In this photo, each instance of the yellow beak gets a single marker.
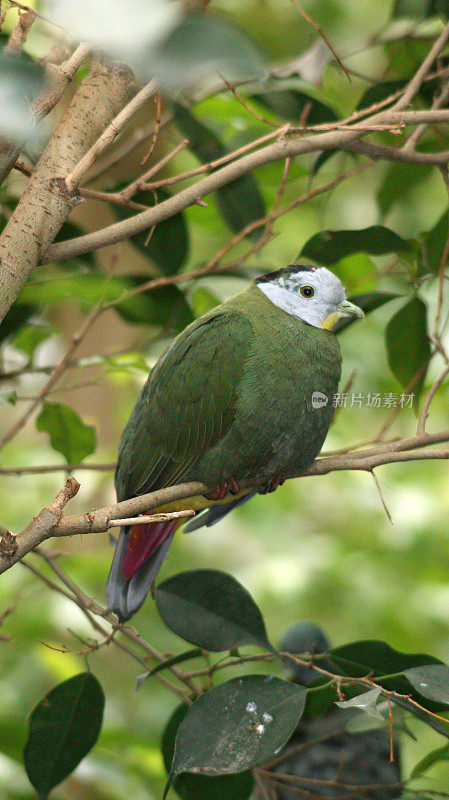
(345, 309)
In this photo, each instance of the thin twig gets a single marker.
(323, 36)
(428, 399)
(382, 499)
(74, 178)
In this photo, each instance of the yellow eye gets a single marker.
(307, 291)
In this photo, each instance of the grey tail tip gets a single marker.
(125, 596)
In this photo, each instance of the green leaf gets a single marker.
(421, 8)
(380, 91)
(202, 787)
(21, 80)
(376, 657)
(421, 713)
(397, 182)
(236, 725)
(368, 302)
(64, 726)
(165, 307)
(169, 662)
(31, 336)
(291, 105)
(328, 247)
(168, 245)
(431, 680)
(435, 244)
(210, 609)
(8, 396)
(203, 45)
(68, 433)
(366, 702)
(17, 316)
(240, 202)
(407, 342)
(434, 757)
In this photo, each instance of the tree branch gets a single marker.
(47, 525)
(46, 202)
(339, 138)
(60, 77)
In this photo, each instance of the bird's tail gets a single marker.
(138, 557)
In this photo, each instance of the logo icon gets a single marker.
(319, 400)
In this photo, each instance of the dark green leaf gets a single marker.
(434, 757)
(17, 316)
(291, 105)
(202, 787)
(202, 140)
(68, 433)
(397, 182)
(376, 657)
(431, 680)
(421, 8)
(210, 609)
(368, 301)
(380, 91)
(236, 725)
(168, 245)
(64, 726)
(407, 343)
(435, 244)
(169, 662)
(319, 160)
(328, 247)
(240, 202)
(422, 713)
(165, 307)
(203, 45)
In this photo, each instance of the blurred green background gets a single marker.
(320, 548)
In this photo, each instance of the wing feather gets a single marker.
(187, 405)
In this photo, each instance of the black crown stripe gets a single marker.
(290, 270)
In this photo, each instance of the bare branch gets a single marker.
(344, 139)
(74, 177)
(98, 521)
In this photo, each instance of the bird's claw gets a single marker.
(271, 485)
(220, 491)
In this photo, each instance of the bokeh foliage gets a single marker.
(321, 548)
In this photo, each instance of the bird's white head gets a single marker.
(313, 294)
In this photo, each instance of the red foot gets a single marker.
(221, 490)
(271, 485)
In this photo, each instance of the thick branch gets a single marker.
(98, 521)
(46, 202)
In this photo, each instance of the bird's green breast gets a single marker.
(277, 427)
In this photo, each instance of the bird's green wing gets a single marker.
(187, 404)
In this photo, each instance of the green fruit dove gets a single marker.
(233, 399)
